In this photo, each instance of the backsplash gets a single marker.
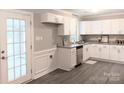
(94, 38)
(90, 38)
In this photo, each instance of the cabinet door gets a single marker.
(65, 28)
(94, 51)
(60, 19)
(92, 48)
(73, 26)
(121, 26)
(104, 54)
(121, 53)
(85, 52)
(96, 27)
(82, 28)
(73, 60)
(115, 26)
(106, 26)
(113, 52)
(51, 18)
(86, 27)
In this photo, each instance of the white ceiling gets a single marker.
(79, 12)
(88, 12)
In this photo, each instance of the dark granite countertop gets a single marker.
(87, 43)
(71, 46)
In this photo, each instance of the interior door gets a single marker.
(15, 47)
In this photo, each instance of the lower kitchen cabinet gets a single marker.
(67, 58)
(44, 62)
(104, 51)
(94, 50)
(121, 53)
(113, 52)
(86, 52)
(109, 52)
(117, 53)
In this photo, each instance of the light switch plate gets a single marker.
(41, 38)
(37, 38)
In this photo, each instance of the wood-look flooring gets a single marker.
(98, 73)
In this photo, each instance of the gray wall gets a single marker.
(47, 31)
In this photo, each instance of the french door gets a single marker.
(15, 63)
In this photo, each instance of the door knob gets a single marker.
(2, 51)
(51, 56)
(3, 57)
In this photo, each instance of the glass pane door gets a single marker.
(16, 48)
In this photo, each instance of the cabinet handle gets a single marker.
(51, 56)
(87, 49)
(118, 50)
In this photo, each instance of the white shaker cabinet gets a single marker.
(115, 26)
(96, 27)
(85, 27)
(121, 53)
(106, 26)
(52, 18)
(118, 26)
(67, 58)
(86, 52)
(121, 22)
(65, 28)
(82, 28)
(117, 53)
(94, 50)
(113, 52)
(70, 26)
(100, 51)
(73, 26)
(104, 52)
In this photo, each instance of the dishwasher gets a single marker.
(79, 51)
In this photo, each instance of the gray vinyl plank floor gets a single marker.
(98, 73)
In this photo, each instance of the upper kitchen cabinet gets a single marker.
(96, 27)
(65, 28)
(85, 27)
(70, 26)
(52, 18)
(117, 26)
(106, 26)
(73, 26)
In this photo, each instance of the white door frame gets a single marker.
(31, 41)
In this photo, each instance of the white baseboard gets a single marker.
(43, 73)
